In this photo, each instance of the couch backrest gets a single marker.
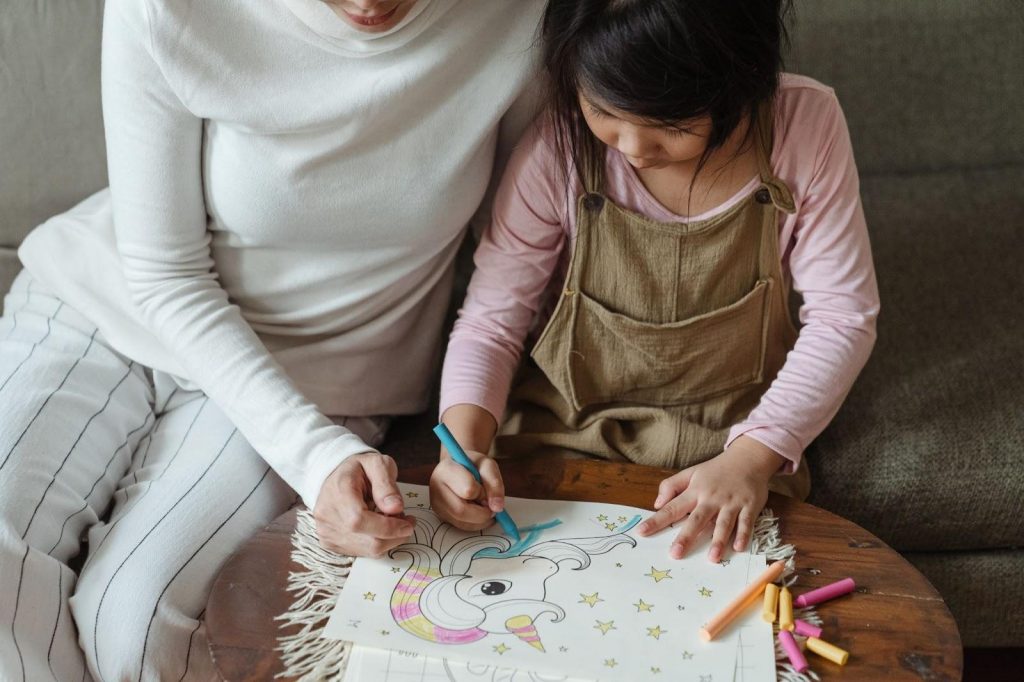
(51, 131)
(926, 85)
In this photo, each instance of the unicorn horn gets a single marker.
(523, 628)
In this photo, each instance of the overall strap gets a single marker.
(764, 119)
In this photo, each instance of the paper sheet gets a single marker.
(581, 592)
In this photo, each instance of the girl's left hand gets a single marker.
(729, 491)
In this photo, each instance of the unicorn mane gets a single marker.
(425, 602)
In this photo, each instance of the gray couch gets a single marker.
(928, 452)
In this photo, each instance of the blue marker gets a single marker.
(459, 455)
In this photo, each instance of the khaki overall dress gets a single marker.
(666, 334)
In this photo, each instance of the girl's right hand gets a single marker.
(457, 498)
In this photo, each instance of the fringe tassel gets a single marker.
(308, 657)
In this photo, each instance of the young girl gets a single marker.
(653, 224)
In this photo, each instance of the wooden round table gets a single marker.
(896, 626)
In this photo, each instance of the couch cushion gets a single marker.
(926, 85)
(983, 590)
(51, 132)
(928, 450)
(9, 267)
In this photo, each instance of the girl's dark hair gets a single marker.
(666, 61)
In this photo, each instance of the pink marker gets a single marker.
(793, 653)
(802, 627)
(823, 594)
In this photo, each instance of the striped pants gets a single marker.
(158, 480)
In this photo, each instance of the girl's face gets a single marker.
(643, 143)
(371, 16)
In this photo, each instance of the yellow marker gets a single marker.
(786, 609)
(771, 602)
(826, 650)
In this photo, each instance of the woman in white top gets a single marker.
(289, 183)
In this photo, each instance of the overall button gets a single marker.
(763, 196)
(593, 202)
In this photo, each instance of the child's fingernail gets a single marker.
(392, 499)
(497, 504)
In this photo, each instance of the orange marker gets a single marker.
(746, 597)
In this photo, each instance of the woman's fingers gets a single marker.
(382, 474)
(724, 525)
(350, 544)
(690, 530)
(344, 521)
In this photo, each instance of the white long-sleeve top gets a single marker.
(287, 195)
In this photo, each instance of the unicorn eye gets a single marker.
(494, 587)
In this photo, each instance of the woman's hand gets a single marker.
(457, 498)
(728, 491)
(359, 509)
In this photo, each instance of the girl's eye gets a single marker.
(495, 587)
(595, 111)
(677, 132)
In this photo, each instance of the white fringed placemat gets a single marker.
(308, 657)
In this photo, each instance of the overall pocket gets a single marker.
(614, 358)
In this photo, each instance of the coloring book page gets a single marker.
(755, 659)
(579, 593)
(380, 665)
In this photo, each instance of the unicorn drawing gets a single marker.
(462, 586)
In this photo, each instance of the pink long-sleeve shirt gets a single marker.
(824, 246)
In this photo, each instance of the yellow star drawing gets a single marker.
(589, 599)
(411, 494)
(368, 596)
(623, 519)
(602, 517)
(655, 670)
(610, 526)
(705, 592)
(605, 627)
(500, 649)
(656, 632)
(658, 575)
(396, 569)
(385, 633)
(610, 662)
(643, 606)
(687, 655)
